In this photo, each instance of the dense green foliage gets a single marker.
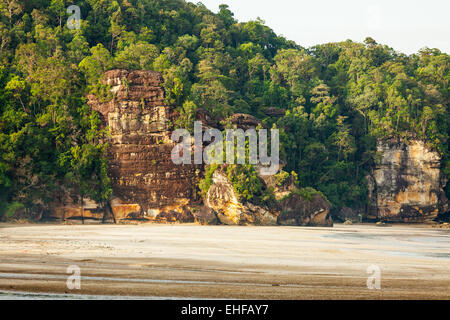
(245, 181)
(207, 181)
(339, 97)
(306, 193)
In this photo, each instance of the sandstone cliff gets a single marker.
(223, 199)
(146, 184)
(407, 183)
(289, 208)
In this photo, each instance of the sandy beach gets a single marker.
(190, 261)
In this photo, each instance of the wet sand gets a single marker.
(189, 261)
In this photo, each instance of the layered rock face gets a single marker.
(298, 211)
(290, 209)
(223, 200)
(146, 184)
(145, 181)
(407, 184)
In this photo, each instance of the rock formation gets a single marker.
(230, 210)
(146, 184)
(348, 214)
(290, 208)
(300, 211)
(205, 216)
(245, 121)
(407, 183)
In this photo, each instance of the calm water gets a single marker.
(18, 295)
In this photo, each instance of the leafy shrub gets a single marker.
(245, 181)
(307, 193)
(281, 178)
(206, 182)
(9, 210)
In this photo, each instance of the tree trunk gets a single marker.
(105, 213)
(107, 208)
(112, 212)
(82, 209)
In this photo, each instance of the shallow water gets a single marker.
(428, 245)
(18, 295)
(134, 280)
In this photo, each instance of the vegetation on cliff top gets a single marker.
(335, 99)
